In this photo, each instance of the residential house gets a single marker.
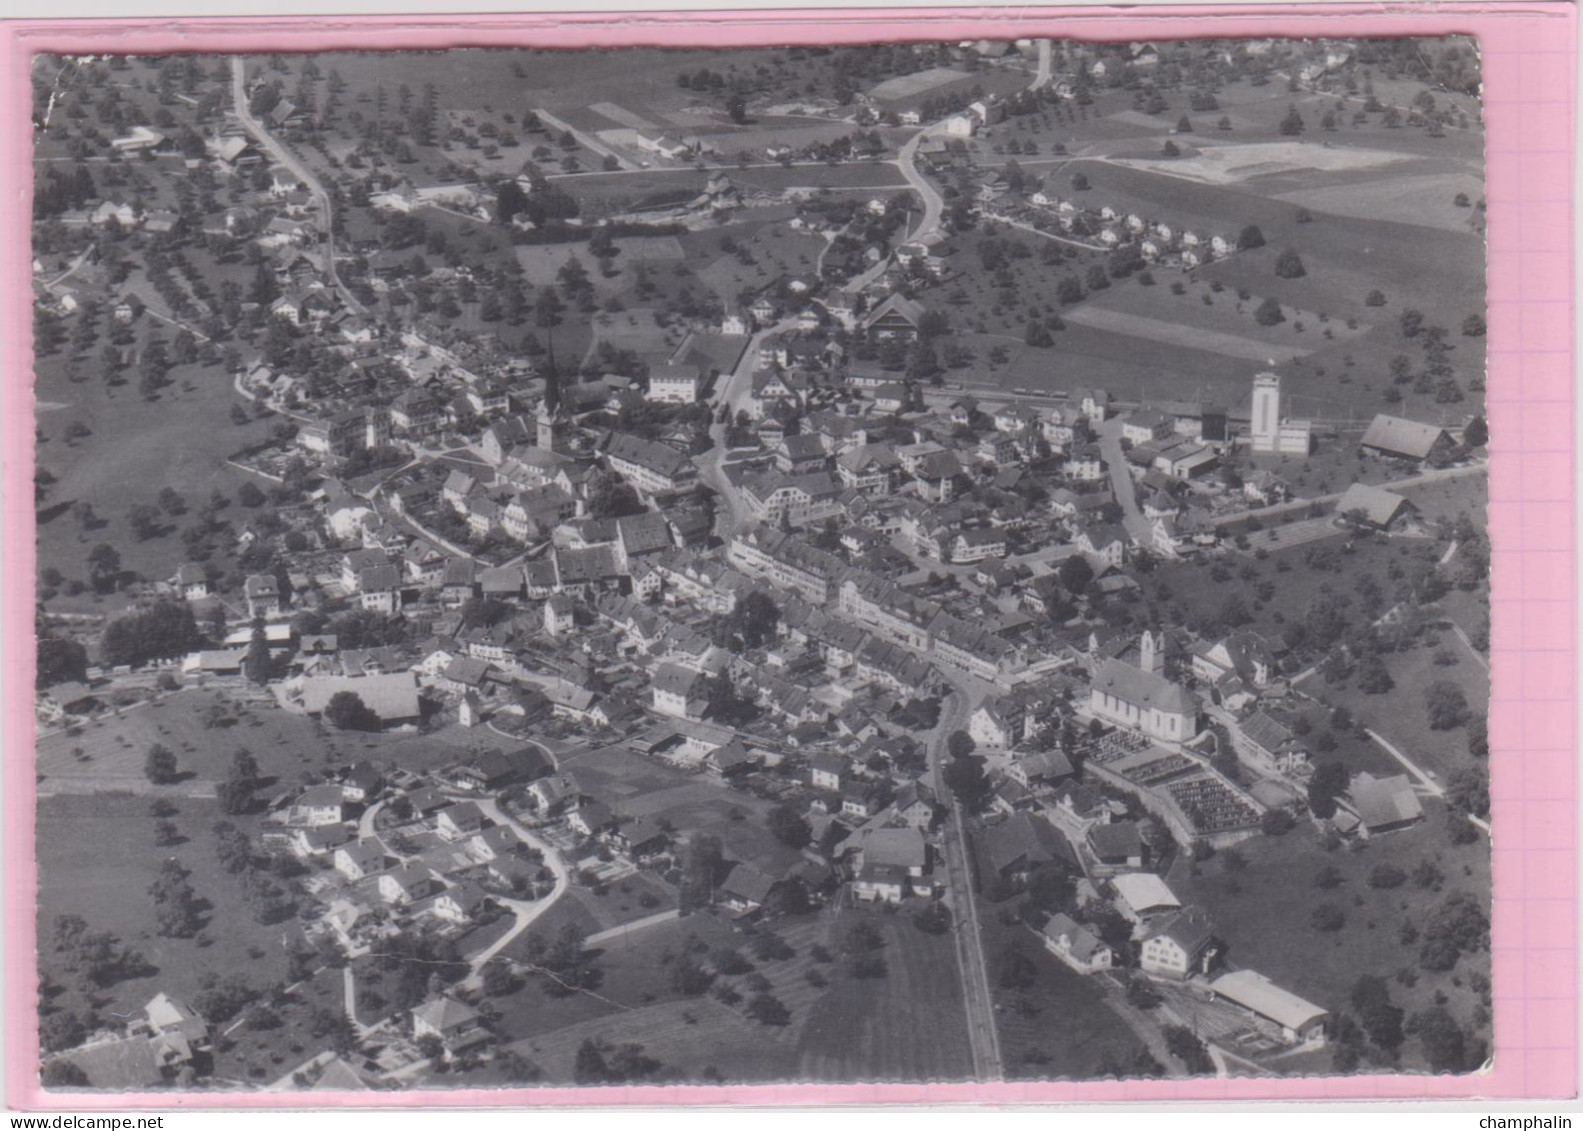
(1179, 946)
(1076, 945)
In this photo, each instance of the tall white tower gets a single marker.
(1266, 412)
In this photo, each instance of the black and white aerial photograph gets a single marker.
(911, 562)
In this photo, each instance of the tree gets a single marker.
(1075, 575)
(767, 1009)
(1447, 707)
(1292, 124)
(1374, 298)
(1269, 313)
(1327, 917)
(1079, 183)
(160, 765)
(1276, 822)
(1289, 266)
(1382, 1020)
(104, 566)
(1373, 677)
(1444, 1043)
(1038, 334)
(788, 827)
(62, 1030)
(257, 663)
(1187, 1047)
(1477, 433)
(347, 711)
(1250, 238)
(1386, 875)
(966, 780)
(960, 744)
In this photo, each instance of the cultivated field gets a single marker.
(1234, 163)
(908, 1025)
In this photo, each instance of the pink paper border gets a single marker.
(1529, 63)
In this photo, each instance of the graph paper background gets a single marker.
(1529, 65)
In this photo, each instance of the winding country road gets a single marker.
(527, 911)
(286, 157)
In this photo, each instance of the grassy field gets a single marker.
(1060, 1026)
(1262, 914)
(909, 1025)
(287, 746)
(113, 750)
(96, 859)
(1399, 715)
(135, 448)
(1190, 596)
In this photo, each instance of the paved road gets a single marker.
(1041, 77)
(285, 157)
(526, 911)
(732, 391)
(979, 1001)
(633, 927)
(933, 203)
(1121, 481)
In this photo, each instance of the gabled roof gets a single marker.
(444, 1014)
(1189, 928)
(1143, 689)
(1252, 990)
(1382, 802)
(1144, 891)
(1115, 841)
(1378, 505)
(1082, 943)
(899, 305)
(1400, 436)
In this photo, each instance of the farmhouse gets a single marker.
(1397, 438)
(1372, 507)
(1180, 946)
(1379, 805)
(897, 317)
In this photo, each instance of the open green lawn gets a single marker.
(909, 1025)
(1191, 597)
(135, 448)
(113, 750)
(1058, 1028)
(1262, 913)
(96, 859)
(1400, 716)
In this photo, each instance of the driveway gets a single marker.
(527, 911)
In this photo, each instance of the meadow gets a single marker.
(1261, 913)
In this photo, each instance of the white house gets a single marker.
(1077, 946)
